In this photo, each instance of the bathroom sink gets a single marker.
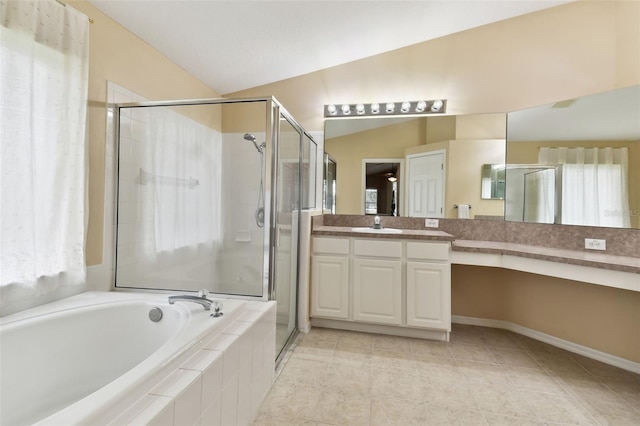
(377, 231)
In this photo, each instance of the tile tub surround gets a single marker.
(223, 382)
(483, 376)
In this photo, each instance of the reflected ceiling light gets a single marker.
(392, 178)
(406, 108)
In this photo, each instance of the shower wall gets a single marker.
(188, 196)
(239, 262)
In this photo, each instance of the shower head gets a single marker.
(252, 138)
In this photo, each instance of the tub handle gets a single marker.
(217, 309)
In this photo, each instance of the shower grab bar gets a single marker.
(148, 177)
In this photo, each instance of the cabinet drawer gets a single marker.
(431, 251)
(331, 245)
(375, 248)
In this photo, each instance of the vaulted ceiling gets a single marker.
(240, 44)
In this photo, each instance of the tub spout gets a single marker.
(206, 303)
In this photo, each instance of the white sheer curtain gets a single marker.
(43, 97)
(182, 163)
(594, 185)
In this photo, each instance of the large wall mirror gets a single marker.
(453, 148)
(576, 162)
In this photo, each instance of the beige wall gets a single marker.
(464, 175)
(464, 157)
(383, 142)
(119, 56)
(603, 318)
(559, 53)
(464, 160)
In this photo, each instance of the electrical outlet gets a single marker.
(431, 223)
(593, 244)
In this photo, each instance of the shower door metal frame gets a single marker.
(270, 173)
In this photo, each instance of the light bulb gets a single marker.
(405, 106)
(390, 107)
(346, 109)
(331, 109)
(360, 109)
(392, 178)
(375, 108)
(421, 106)
(437, 105)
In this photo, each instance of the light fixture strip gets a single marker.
(381, 109)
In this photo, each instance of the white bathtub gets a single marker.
(72, 361)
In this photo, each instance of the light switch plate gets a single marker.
(431, 223)
(593, 244)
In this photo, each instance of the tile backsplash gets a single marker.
(620, 242)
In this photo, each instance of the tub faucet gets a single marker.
(201, 299)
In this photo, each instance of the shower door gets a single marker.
(287, 211)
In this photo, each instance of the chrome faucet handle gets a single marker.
(204, 293)
(217, 309)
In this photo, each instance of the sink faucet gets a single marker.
(201, 299)
(376, 223)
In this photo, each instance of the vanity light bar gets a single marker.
(436, 106)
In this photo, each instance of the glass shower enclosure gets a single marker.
(209, 196)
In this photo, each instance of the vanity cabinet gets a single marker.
(377, 291)
(379, 285)
(330, 278)
(428, 285)
(377, 281)
(428, 295)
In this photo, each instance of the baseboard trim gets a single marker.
(419, 333)
(552, 340)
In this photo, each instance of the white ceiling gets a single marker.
(239, 44)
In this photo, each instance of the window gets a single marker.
(43, 98)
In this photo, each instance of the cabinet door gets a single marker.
(377, 291)
(330, 286)
(429, 295)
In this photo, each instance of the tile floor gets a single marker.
(483, 376)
